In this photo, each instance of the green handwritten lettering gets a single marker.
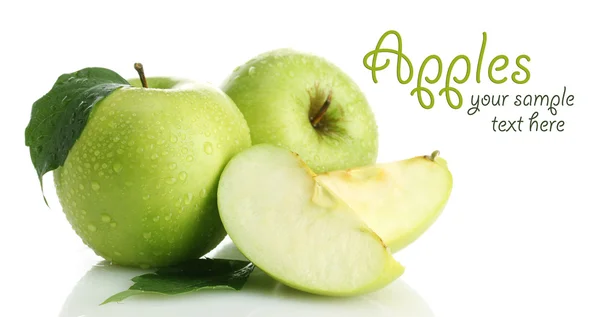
(399, 55)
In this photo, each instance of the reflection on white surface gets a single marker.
(261, 297)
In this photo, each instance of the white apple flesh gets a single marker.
(398, 200)
(298, 231)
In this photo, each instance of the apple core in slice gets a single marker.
(297, 230)
(398, 200)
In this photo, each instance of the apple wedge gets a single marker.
(398, 200)
(296, 230)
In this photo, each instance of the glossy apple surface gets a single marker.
(139, 186)
(280, 94)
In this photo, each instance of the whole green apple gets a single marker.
(308, 105)
(139, 186)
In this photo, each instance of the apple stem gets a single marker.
(317, 118)
(140, 70)
(433, 155)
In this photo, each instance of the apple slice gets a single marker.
(298, 231)
(398, 200)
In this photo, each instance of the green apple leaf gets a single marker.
(59, 117)
(189, 277)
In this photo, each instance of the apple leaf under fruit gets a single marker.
(188, 277)
(58, 118)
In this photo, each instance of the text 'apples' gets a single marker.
(308, 105)
(398, 200)
(280, 216)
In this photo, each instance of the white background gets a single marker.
(519, 236)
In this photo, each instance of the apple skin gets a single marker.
(139, 185)
(279, 91)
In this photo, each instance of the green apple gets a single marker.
(398, 200)
(308, 105)
(139, 186)
(296, 230)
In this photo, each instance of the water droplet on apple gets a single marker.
(95, 186)
(208, 148)
(117, 167)
(105, 218)
(172, 166)
(113, 224)
(189, 158)
(173, 139)
(140, 150)
(252, 71)
(188, 198)
(154, 156)
(146, 197)
(203, 192)
(156, 219)
(171, 180)
(147, 235)
(183, 176)
(117, 253)
(91, 227)
(81, 187)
